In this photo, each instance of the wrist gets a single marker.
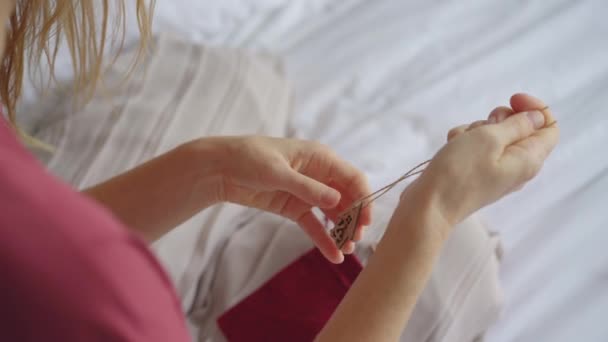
(203, 160)
(449, 202)
(421, 206)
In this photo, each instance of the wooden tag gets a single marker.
(346, 225)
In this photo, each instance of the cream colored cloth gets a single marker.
(226, 252)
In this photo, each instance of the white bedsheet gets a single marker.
(382, 82)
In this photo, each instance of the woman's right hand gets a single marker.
(489, 159)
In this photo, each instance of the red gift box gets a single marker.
(294, 304)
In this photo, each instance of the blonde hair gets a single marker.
(37, 29)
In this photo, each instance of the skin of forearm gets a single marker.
(380, 302)
(158, 195)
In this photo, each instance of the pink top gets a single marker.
(69, 271)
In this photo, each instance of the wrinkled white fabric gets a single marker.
(369, 74)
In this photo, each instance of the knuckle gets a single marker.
(452, 133)
(500, 113)
(477, 123)
(320, 147)
(523, 126)
(253, 141)
(499, 109)
(490, 137)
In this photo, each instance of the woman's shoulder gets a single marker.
(32, 200)
(69, 268)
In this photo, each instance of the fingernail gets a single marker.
(537, 118)
(501, 116)
(331, 197)
(340, 258)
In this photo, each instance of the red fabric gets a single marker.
(69, 270)
(293, 305)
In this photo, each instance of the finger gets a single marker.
(528, 155)
(300, 212)
(315, 230)
(542, 142)
(359, 233)
(456, 131)
(352, 181)
(524, 102)
(476, 124)
(353, 185)
(519, 187)
(288, 205)
(518, 127)
(539, 145)
(346, 200)
(309, 190)
(348, 248)
(365, 216)
(499, 114)
(333, 214)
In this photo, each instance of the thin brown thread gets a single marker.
(368, 199)
(553, 123)
(347, 221)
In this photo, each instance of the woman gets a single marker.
(72, 271)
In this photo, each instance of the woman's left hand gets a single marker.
(289, 177)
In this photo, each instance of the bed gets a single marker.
(383, 81)
(369, 74)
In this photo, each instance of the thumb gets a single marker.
(310, 190)
(519, 126)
